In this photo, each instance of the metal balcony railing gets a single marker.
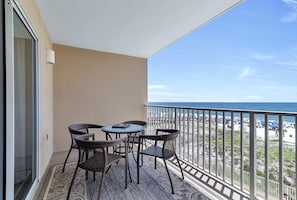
(251, 153)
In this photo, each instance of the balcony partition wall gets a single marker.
(244, 154)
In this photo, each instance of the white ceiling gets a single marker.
(131, 27)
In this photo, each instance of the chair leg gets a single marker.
(169, 176)
(126, 168)
(66, 159)
(181, 170)
(129, 172)
(101, 184)
(141, 154)
(155, 162)
(138, 165)
(131, 148)
(69, 190)
(134, 156)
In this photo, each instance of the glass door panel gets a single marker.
(2, 101)
(25, 109)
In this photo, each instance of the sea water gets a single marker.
(249, 106)
(258, 106)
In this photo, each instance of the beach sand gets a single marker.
(289, 134)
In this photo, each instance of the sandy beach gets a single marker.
(288, 136)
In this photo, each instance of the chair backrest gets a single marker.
(168, 136)
(88, 149)
(138, 122)
(80, 129)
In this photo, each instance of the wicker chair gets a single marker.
(77, 130)
(163, 146)
(134, 138)
(94, 156)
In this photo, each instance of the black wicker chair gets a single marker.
(134, 138)
(77, 130)
(163, 147)
(94, 156)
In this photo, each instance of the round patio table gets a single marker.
(122, 129)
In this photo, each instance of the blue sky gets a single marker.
(248, 54)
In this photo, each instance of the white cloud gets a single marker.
(261, 57)
(253, 97)
(156, 87)
(245, 73)
(160, 92)
(291, 16)
(164, 96)
(291, 63)
(291, 3)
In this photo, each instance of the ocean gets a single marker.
(254, 106)
(259, 106)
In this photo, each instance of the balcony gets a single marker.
(231, 154)
(240, 154)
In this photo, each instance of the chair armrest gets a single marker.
(90, 126)
(151, 137)
(166, 130)
(110, 143)
(86, 136)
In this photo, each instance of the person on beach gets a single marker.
(276, 132)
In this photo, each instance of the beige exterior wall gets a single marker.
(83, 86)
(96, 87)
(46, 84)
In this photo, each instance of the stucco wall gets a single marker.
(46, 84)
(96, 87)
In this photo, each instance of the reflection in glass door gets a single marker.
(24, 109)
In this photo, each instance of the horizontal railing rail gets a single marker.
(251, 151)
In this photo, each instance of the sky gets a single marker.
(248, 54)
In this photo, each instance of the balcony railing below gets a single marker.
(251, 153)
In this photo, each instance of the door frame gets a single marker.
(2, 103)
(12, 6)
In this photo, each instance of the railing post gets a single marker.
(193, 131)
(295, 155)
(281, 160)
(266, 157)
(232, 148)
(224, 146)
(175, 118)
(253, 157)
(242, 176)
(216, 146)
(209, 141)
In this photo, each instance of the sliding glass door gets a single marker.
(2, 103)
(22, 107)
